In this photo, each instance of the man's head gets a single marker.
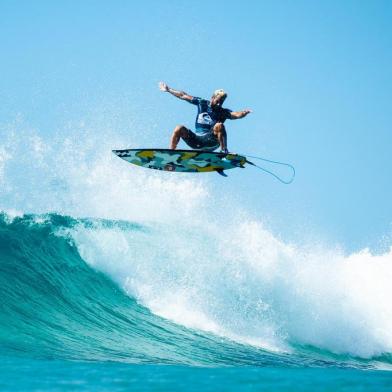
(218, 97)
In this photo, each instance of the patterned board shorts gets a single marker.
(201, 142)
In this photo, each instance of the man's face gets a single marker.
(217, 100)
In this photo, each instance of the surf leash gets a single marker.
(291, 167)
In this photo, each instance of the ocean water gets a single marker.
(106, 284)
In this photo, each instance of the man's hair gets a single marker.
(220, 92)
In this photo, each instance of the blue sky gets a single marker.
(316, 74)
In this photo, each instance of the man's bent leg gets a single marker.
(179, 132)
(220, 133)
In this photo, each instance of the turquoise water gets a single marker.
(66, 323)
(20, 375)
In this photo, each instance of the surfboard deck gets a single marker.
(184, 161)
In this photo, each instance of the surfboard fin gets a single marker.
(221, 172)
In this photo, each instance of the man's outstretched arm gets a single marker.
(240, 114)
(178, 94)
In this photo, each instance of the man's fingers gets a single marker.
(162, 86)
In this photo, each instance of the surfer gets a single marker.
(210, 132)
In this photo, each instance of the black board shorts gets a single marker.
(207, 141)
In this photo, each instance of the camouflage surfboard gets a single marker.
(185, 161)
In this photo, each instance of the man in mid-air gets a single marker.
(210, 132)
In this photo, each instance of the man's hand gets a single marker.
(179, 94)
(240, 114)
(163, 87)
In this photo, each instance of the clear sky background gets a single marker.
(317, 74)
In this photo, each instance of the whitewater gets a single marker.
(103, 262)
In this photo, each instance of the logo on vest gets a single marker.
(205, 119)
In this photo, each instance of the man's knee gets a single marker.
(180, 130)
(219, 128)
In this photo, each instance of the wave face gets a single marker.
(194, 279)
(55, 305)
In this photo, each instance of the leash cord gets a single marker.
(270, 172)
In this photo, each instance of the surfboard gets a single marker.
(184, 161)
